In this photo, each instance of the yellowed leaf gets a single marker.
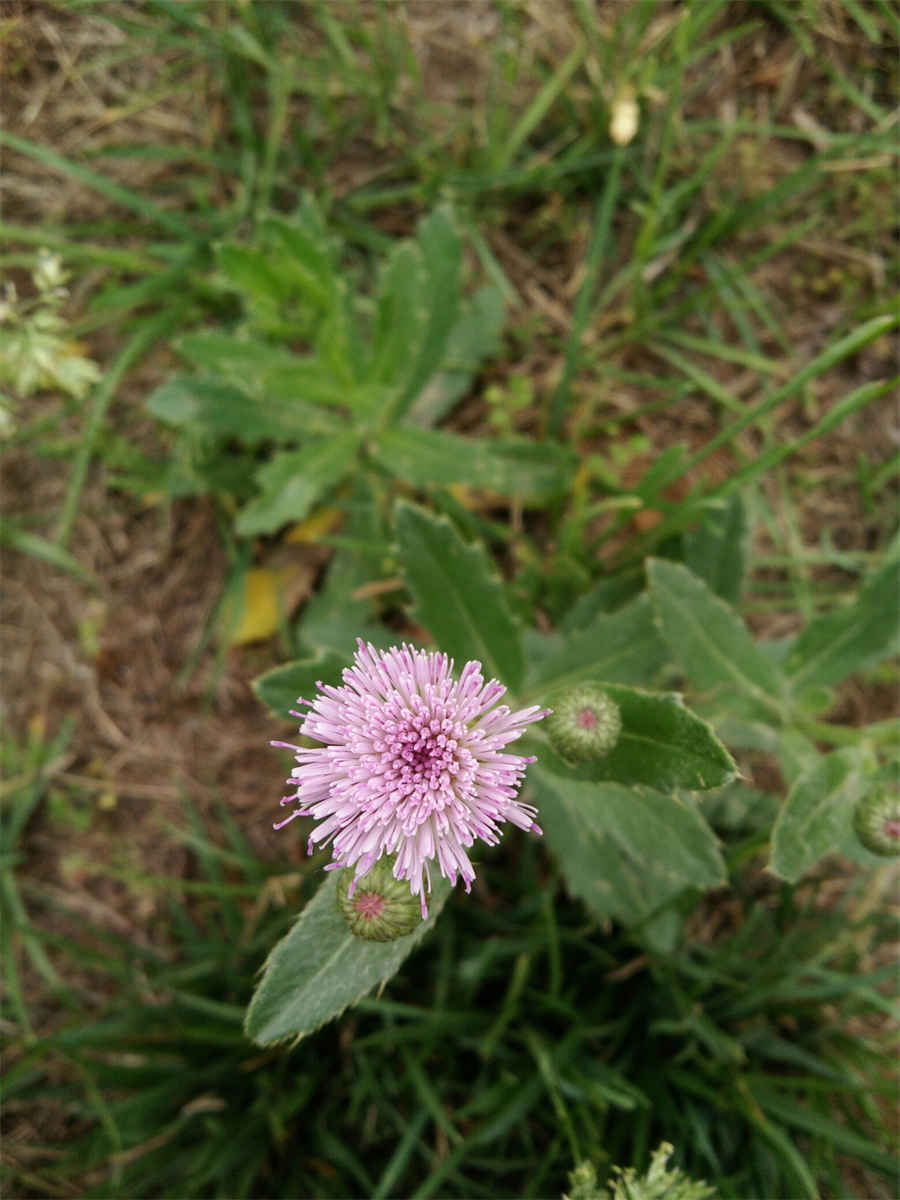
(316, 525)
(269, 594)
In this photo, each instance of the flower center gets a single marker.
(423, 748)
(587, 718)
(369, 905)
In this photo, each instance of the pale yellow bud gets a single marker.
(624, 119)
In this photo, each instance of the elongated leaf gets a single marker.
(514, 466)
(817, 817)
(716, 551)
(399, 316)
(624, 851)
(458, 595)
(298, 252)
(293, 481)
(621, 647)
(213, 407)
(860, 635)
(662, 745)
(441, 249)
(254, 272)
(281, 687)
(304, 246)
(709, 640)
(265, 371)
(474, 337)
(320, 968)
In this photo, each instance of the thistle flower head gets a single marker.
(412, 764)
(585, 724)
(876, 820)
(377, 907)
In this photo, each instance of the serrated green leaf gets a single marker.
(511, 467)
(817, 816)
(294, 480)
(474, 337)
(624, 851)
(458, 594)
(319, 969)
(252, 271)
(281, 687)
(269, 373)
(858, 636)
(213, 407)
(716, 551)
(303, 250)
(662, 745)
(709, 641)
(231, 357)
(621, 647)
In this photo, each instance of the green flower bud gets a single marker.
(585, 723)
(380, 908)
(877, 821)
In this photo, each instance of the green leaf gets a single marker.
(399, 316)
(624, 851)
(458, 595)
(662, 745)
(270, 372)
(474, 337)
(283, 299)
(304, 238)
(303, 253)
(294, 480)
(320, 968)
(514, 466)
(230, 356)
(709, 640)
(716, 551)
(621, 647)
(254, 272)
(212, 407)
(858, 636)
(817, 816)
(441, 249)
(281, 687)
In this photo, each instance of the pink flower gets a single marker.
(412, 764)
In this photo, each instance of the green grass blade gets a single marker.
(538, 108)
(113, 192)
(43, 550)
(597, 250)
(830, 357)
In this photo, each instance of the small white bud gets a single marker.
(625, 118)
